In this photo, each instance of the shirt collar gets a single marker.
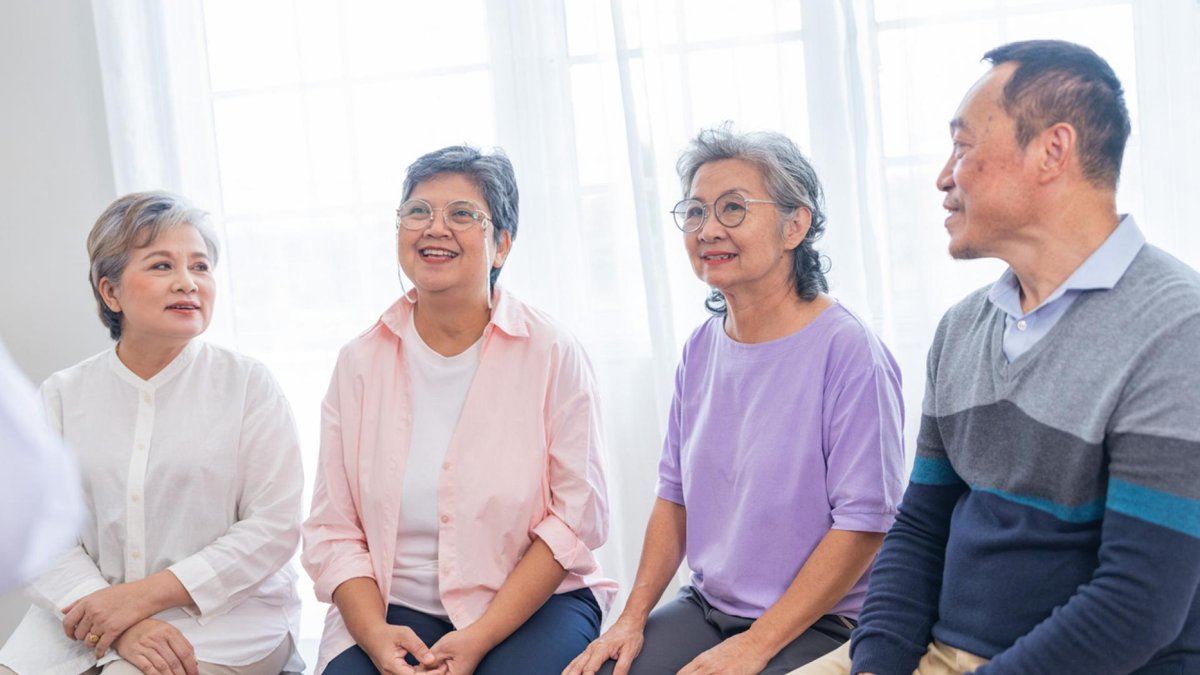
(507, 314)
(1100, 271)
(177, 365)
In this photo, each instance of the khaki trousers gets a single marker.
(939, 659)
(272, 665)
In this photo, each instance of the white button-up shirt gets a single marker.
(196, 470)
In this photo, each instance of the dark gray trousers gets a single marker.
(680, 630)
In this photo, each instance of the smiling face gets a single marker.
(756, 255)
(165, 294)
(438, 259)
(987, 177)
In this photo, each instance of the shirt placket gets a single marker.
(135, 494)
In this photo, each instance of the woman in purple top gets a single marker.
(783, 461)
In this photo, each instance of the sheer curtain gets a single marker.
(292, 121)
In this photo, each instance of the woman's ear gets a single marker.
(795, 227)
(502, 248)
(108, 293)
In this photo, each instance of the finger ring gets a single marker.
(92, 638)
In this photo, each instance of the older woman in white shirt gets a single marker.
(191, 472)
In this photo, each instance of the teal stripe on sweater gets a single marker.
(1155, 506)
(1084, 513)
(931, 471)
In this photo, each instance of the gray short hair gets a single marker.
(491, 172)
(129, 223)
(1057, 81)
(791, 181)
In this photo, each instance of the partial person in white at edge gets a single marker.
(40, 502)
(191, 475)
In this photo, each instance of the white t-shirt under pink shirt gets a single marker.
(439, 389)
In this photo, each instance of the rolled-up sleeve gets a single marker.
(577, 522)
(335, 544)
(670, 473)
(865, 448)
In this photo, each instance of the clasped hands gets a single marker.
(117, 617)
(457, 653)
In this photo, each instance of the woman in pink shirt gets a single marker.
(460, 492)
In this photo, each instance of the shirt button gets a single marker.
(147, 398)
(445, 465)
(135, 499)
(141, 447)
(135, 554)
(445, 519)
(1022, 325)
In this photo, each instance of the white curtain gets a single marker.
(292, 121)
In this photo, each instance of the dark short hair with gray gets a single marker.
(133, 222)
(1057, 81)
(491, 172)
(791, 181)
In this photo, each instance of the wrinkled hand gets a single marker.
(739, 655)
(457, 653)
(100, 618)
(387, 646)
(157, 648)
(622, 643)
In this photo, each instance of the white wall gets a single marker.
(55, 178)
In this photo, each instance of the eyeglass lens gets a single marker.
(730, 210)
(417, 214)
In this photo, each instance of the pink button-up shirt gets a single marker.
(524, 462)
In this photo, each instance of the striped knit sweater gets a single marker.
(1052, 521)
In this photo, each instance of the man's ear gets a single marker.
(1057, 150)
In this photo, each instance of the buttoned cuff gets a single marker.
(84, 589)
(201, 581)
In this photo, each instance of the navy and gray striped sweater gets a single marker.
(1052, 522)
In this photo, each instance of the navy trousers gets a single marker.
(543, 645)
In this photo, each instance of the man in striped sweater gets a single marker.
(1052, 521)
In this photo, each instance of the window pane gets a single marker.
(717, 19)
(749, 85)
(327, 117)
(923, 74)
(384, 37)
(260, 147)
(319, 40)
(397, 121)
(589, 26)
(889, 10)
(599, 120)
(251, 43)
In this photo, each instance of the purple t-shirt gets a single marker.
(771, 445)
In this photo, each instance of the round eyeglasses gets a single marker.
(730, 210)
(418, 214)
